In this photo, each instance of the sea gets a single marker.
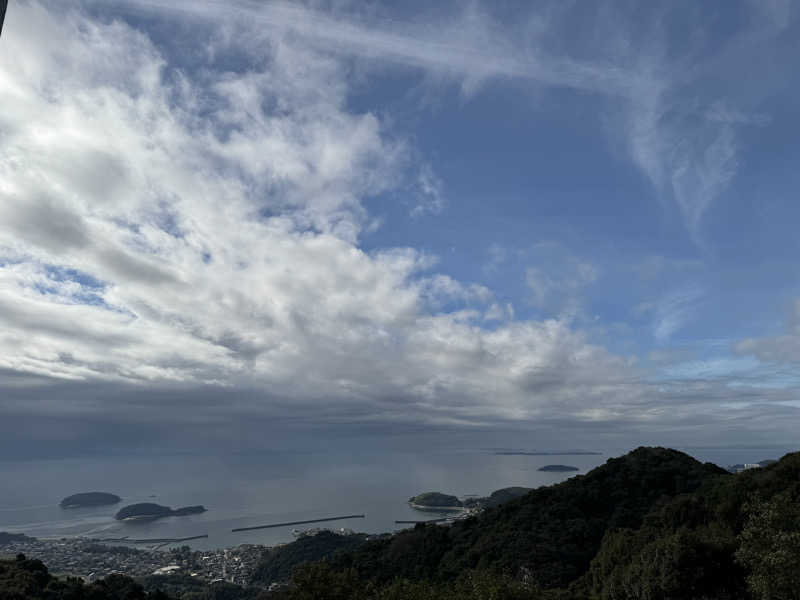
(275, 487)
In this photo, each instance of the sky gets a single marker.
(248, 225)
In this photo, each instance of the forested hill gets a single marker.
(737, 537)
(551, 533)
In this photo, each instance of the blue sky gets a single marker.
(474, 217)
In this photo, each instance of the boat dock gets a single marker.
(298, 522)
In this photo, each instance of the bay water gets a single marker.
(272, 487)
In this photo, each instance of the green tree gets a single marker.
(317, 581)
(770, 548)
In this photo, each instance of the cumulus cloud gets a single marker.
(160, 227)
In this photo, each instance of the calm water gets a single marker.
(267, 488)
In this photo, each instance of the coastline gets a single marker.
(437, 508)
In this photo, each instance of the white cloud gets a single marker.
(203, 229)
(688, 162)
(430, 196)
(499, 312)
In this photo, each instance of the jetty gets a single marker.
(298, 522)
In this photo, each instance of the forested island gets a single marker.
(435, 500)
(149, 511)
(89, 499)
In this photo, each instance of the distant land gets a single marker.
(148, 511)
(558, 468)
(89, 499)
(7, 538)
(565, 453)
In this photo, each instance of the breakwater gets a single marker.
(298, 522)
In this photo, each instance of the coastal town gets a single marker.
(91, 559)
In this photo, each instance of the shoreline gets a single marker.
(437, 508)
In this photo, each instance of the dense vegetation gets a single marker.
(184, 587)
(89, 499)
(278, 563)
(497, 497)
(737, 537)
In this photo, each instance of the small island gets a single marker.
(435, 501)
(148, 511)
(558, 468)
(89, 499)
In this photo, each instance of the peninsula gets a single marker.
(148, 511)
(558, 468)
(89, 499)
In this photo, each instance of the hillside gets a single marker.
(735, 534)
(501, 496)
(278, 563)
